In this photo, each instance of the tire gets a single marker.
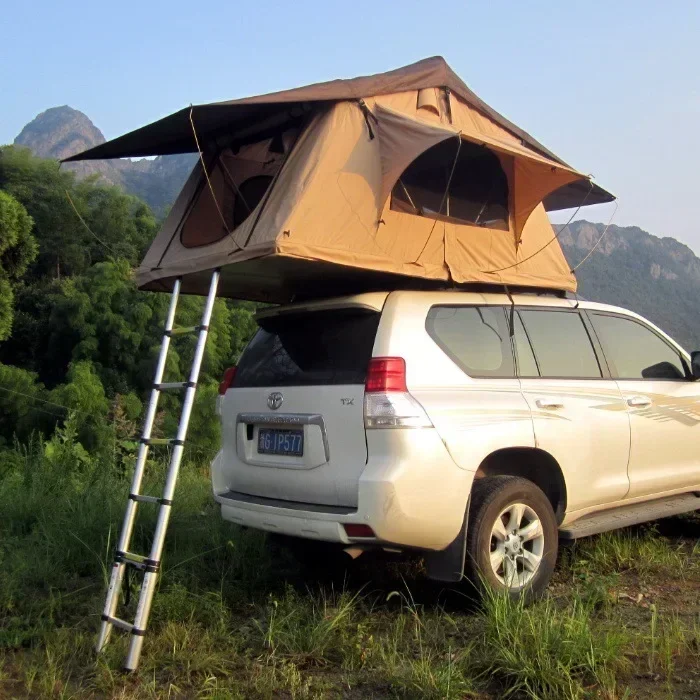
(499, 560)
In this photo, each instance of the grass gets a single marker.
(231, 620)
(543, 651)
(640, 551)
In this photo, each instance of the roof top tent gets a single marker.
(398, 179)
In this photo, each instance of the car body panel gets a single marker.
(587, 433)
(665, 435)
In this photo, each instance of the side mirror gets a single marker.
(695, 364)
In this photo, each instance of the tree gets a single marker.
(84, 338)
(41, 188)
(113, 224)
(17, 250)
(23, 407)
(84, 394)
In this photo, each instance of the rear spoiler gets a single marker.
(373, 301)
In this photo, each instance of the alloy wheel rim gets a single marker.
(517, 545)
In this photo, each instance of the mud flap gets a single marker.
(448, 564)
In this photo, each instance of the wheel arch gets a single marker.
(533, 464)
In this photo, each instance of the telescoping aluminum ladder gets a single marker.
(150, 565)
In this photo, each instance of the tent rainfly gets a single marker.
(403, 178)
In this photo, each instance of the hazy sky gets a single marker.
(611, 87)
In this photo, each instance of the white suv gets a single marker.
(477, 428)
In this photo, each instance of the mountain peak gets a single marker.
(62, 131)
(59, 132)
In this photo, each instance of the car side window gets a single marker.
(475, 338)
(635, 351)
(560, 343)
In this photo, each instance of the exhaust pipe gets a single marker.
(355, 550)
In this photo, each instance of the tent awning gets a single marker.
(238, 122)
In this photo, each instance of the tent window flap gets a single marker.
(477, 193)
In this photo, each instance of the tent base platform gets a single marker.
(280, 279)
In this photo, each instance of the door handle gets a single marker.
(548, 405)
(638, 401)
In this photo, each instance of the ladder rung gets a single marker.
(138, 561)
(131, 558)
(184, 330)
(150, 499)
(118, 622)
(123, 625)
(162, 441)
(174, 385)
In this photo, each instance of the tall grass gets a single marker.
(429, 654)
(545, 652)
(229, 621)
(61, 516)
(311, 628)
(639, 550)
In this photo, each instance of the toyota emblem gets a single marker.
(274, 400)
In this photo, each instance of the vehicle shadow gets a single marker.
(380, 576)
(679, 527)
(386, 580)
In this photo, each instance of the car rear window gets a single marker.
(309, 349)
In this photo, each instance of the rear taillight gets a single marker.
(386, 374)
(229, 376)
(387, 401)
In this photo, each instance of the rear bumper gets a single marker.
(411, 493)
(287, 518)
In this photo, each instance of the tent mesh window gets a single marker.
(236, 202)
(478, 191)
(240, 181)
(249, 195)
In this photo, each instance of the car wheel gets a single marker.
(512, 537)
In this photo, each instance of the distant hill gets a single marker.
(60, 132)
(657, 277)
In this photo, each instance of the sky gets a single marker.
(611, 87)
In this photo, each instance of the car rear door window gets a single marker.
(309, 349)
(635, 351)
(561, 344)
(475, 338)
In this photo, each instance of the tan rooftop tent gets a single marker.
(402, 178)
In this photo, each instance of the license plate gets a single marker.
(274, 441)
